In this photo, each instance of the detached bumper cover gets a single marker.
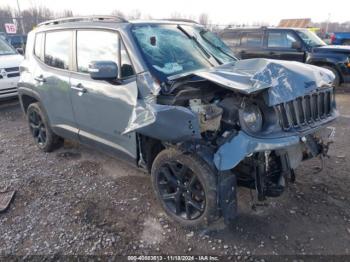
(231, 153)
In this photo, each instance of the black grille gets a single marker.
(12, 69)
(307, 110)
(12, 75)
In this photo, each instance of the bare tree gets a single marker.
(5, 17)
(36, 15)
(118, 13)
(134, 14)
(204, 19)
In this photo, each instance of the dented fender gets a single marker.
(231, 153)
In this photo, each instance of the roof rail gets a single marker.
(84, 18)
(180, 20)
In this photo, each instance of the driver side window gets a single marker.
(281, 39)
(96, 46)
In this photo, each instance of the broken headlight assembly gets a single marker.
(252, 118)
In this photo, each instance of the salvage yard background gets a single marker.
(79, 201)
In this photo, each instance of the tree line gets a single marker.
(37, 14)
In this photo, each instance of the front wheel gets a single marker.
(186, 188)
(336, 81)
(40, 129)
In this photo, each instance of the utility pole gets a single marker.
(327, 24)
(20, 17)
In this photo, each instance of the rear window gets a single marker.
(58, 49)
(231, 38)
(252, 39)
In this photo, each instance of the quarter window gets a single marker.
(57, 49)
(39, 44)
(281, 39)
(96, 46)
(252, 39)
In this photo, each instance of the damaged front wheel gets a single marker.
(185, 187)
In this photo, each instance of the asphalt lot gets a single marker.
(79, 201)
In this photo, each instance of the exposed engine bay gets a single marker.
(223, 114)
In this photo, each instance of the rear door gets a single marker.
(282, 45)
(51, 79)
(251, 45)
(103, 108)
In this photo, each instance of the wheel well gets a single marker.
(26, 101)
(149, 148)
(330, 65)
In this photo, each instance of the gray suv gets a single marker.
(171, 97)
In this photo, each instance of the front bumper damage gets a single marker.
(242, 145)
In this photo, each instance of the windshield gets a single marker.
(310, 38)
(5, 48)
(168, 51)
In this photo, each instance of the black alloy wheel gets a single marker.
(181, 190)
(37, 128)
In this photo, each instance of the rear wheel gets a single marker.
(40, 129)
(336, 81)
(185, 187)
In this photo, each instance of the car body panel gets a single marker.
(103, 111)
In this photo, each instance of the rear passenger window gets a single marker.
(231, 38)
(252, 39)
(58, 49)
(39, 45)
(281, 39)
(96, 46)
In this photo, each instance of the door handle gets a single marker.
(40, 79)
(272, 53)
(79, 87)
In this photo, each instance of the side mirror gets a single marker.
(296, 45)
(103, 70)
(20, 51)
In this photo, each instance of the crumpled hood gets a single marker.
(284, 80)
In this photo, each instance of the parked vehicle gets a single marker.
(340, 38)
(290, 44)
(9, 70)
(17, 41)
(171, 97)
(3, 35)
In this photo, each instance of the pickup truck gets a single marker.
(340, 38)
(294, 44)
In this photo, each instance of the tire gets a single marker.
(193, 205)
(40, 129)
(336, 81)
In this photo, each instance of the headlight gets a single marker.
(252, 118)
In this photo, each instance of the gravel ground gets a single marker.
(79, 201)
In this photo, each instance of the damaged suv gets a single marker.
(171, 97)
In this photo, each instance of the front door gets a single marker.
(103, 108)
(282, 45)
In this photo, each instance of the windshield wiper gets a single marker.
(217, 47)
(194, 39)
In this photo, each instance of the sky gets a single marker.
(219, 11)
